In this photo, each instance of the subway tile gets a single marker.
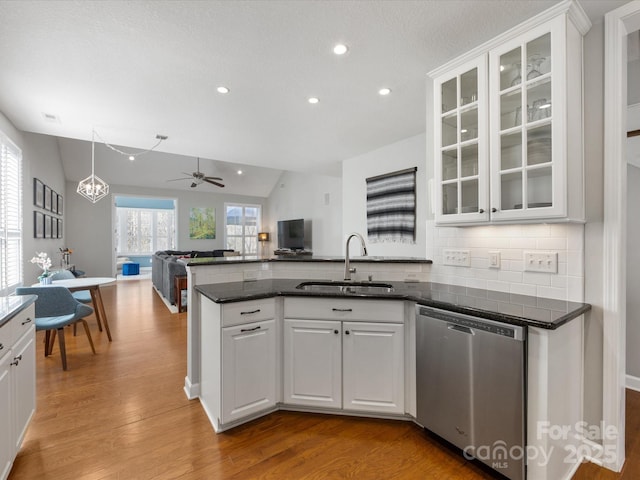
(554, 243)
(511, 277)
(552, 292)
(523, 289)
(536, 278)
(498, 290)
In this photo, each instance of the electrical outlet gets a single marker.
(540, 261)
(458, 258)
(494, 259)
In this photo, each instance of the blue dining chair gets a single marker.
(83, 296)
(55, 309)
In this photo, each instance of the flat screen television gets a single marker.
(291, 234)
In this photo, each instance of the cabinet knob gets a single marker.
(347, 332)
(1, 346)
(336, 332)
(494, 210)
(481, 210)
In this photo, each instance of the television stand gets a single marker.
(286, 251)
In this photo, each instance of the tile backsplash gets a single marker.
(511, 241)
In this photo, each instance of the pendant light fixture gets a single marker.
(93, 188)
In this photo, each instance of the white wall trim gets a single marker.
(633, 383)
(618, 23)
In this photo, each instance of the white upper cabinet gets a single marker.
(512, 151)
(461, 137)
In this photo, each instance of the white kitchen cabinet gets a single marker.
(239, 345)
(17, 384)
(373, 367)
(249, 373)
(461, 138)
(344, 354)
(533, 89)
(313, 363)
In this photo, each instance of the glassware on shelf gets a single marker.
(534, 63)
(541, 109)
(517, 80)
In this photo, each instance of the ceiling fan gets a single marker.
(198, 177)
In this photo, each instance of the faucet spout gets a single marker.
(363, 251)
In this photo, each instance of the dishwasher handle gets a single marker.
(460, 328)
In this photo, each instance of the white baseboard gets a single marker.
(633, 383)
(191, 390)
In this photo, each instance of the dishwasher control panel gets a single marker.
(468, 321)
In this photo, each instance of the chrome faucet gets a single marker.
(363, 251)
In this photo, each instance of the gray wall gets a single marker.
(89, 226)
(315, 198)
(594, 188)
(633, 274)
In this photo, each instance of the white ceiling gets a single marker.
(135, 69)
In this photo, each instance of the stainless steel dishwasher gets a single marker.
(471, 386)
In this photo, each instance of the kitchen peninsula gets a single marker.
(269, 334)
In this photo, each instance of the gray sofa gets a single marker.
(165, 267)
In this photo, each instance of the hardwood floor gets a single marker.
(122, 414)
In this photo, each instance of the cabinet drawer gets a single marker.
(22, 322)
(390, 311)
(246, 312)
(6, 338)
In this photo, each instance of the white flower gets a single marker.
(42, 260)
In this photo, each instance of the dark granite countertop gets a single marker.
(502, 307)
(12, 305)
(199, 261)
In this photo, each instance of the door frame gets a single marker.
(618, 24)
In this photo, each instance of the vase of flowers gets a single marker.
(44, 262)
(66, 256)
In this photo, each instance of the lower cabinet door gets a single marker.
(249, 369)
(7, 447)
(24, 384)
(373, 367)
(312, 363)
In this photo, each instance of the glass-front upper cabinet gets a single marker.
(527, 81)
(460, 131)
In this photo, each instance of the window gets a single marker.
(142, 231)
(10, 216)
(242, 224)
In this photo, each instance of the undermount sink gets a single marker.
(346, 287)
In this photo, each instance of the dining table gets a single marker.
(92, 284)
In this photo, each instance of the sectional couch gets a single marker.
(165, 267)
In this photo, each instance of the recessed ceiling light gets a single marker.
(132, 158)
(50, 117)
(313, 100)
(340, 49)
(239, 172)
(384, 91)
(222, 89)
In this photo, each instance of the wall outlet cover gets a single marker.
(541, 261)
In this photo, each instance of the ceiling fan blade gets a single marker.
(212, 178)
(214, 183)
(176, 179)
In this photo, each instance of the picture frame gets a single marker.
(59, 228)
(47, 226)
(38, 193)
(202, 223)
(47, 197)
(54, 227)
(59, 204)
(38, 224)
(54, 202)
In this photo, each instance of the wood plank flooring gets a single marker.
(122, 414)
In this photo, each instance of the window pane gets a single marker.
(242, 227)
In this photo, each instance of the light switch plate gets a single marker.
(494, 259)
(458, 258)
(541, 261)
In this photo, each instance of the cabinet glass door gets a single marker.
(462, 134)
(525, 176)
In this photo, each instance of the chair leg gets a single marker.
(63, 349)
(47, 339)
(52, 342)
(86, 329)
